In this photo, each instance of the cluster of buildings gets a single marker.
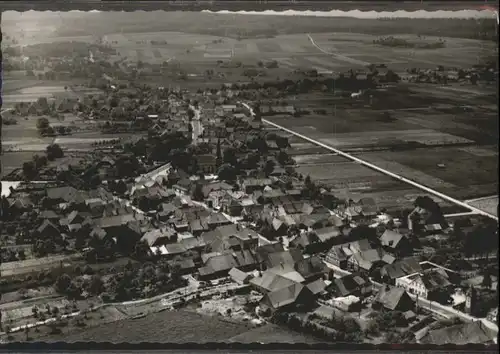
(261, 229)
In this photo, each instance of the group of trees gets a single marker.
(391, 41)
(32, 168)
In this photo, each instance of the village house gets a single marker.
(295, 296)
(239, 276)
(159, 237)
(339, 254)
(393, 299)
(219, 266)
(369, 260)
(389, 273)
(207, 163)
(353, 284)
(396, 243)
(183, 187)
(47, 230)
(250, 185)
(428, 284)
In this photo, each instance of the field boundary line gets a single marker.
(379, 169)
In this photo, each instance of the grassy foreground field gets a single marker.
(166, 327)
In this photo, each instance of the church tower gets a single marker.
(470, 300)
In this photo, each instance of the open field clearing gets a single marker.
(167, 326)
(448, 170)
(422, 136)
(271, 333)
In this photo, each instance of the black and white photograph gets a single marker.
(277, 175)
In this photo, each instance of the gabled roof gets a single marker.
(66, 193)
(366, 259)
(175, 248)
(263, 252)
(47, 225)
(401, 268)
(114, 221)
(311, 266)
(317, 287)
(390, 298)
(291, 257)
(98, 232)
(390, 238)
(271, 282)
(434, 279)
(151, 237)
(285, 296)
(347, 285)
(21, 202)
(218, 263)
(346, 250)
(239, 276)
(49, 214)
(327, 233)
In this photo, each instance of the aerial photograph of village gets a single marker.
(206, 177)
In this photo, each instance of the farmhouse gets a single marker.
(426, 284)
(394, 299)
(354, 284)
(407, 266)
(396, 243)
(339, 254)
(293, 296)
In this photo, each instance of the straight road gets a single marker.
(379, 169)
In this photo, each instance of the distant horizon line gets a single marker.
(483, 12)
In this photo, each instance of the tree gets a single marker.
(269, 167)
(42, 124)
(198, 193)
(230, 156)
(227, 173)
(62, 284)
(39, 161)
(54, 151)
(96, 285)
(487, 283)
(29, 170)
